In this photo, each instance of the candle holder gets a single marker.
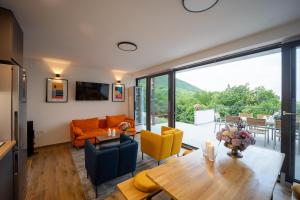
(209, 150)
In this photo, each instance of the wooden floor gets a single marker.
(52, 176)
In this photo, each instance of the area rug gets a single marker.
(104, 190)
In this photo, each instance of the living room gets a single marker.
(101, 111)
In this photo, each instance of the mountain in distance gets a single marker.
(186, 86)
(162, 81)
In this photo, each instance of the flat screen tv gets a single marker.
(86, 91)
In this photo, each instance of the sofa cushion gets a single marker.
(114, 121)
(86, 123)
(90, 135)
(95, 131)
(102, 123)
(144, 184)
(77, 131)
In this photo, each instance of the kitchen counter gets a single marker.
(6, 147)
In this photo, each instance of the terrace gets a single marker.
(205, 127)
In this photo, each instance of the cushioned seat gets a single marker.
(143, 183)
(90, 135)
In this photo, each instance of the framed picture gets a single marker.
(118, 92)
(57, 90)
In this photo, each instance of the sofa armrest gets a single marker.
(72, 134)
(131, 121)
(151, 144)
(127, 158)
(166, 146)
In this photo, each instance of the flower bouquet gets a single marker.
(123, 126)
(236, 138)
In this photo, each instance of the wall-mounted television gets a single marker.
(86, 91)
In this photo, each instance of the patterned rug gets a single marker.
(104, 190)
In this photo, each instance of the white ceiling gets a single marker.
(85, 32)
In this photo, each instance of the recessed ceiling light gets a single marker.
(198, 5)
(127, 46)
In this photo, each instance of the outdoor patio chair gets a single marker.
(218, 121)
(232, 120)
(246, 115)
(262, 116)
(258, 126)
(277, 132)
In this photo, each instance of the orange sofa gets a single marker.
(84, 129)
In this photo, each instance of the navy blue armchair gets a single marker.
(111, 161)
(127, 155)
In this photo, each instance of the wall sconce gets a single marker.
(57, 75)
(118, 81)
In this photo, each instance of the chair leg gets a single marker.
(87, 175)
(142, 156)
(96, 190)
(132, 173)
(178, 155)
(265, 139)
(158, 162)
(274, 141)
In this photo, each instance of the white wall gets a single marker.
(51, 120)
(277, 34)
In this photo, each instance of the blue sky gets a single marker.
(257, 71)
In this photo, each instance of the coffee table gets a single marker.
(107, 138)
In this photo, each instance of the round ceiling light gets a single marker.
(196, 6)
(127, 46)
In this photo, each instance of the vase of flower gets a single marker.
(236, 138)
(234, 151)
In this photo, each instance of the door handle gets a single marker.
(288, 113)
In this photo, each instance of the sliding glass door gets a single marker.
(263, 84)
(297, 122)
(140, 104)
(159, 102)
(290, 127)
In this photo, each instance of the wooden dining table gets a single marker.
(194, 177)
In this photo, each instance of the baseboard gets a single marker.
(49, 145)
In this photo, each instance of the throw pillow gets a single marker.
(77, 131)
(87, 123)
(114, 121)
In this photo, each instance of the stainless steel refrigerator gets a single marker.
(13, 121)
